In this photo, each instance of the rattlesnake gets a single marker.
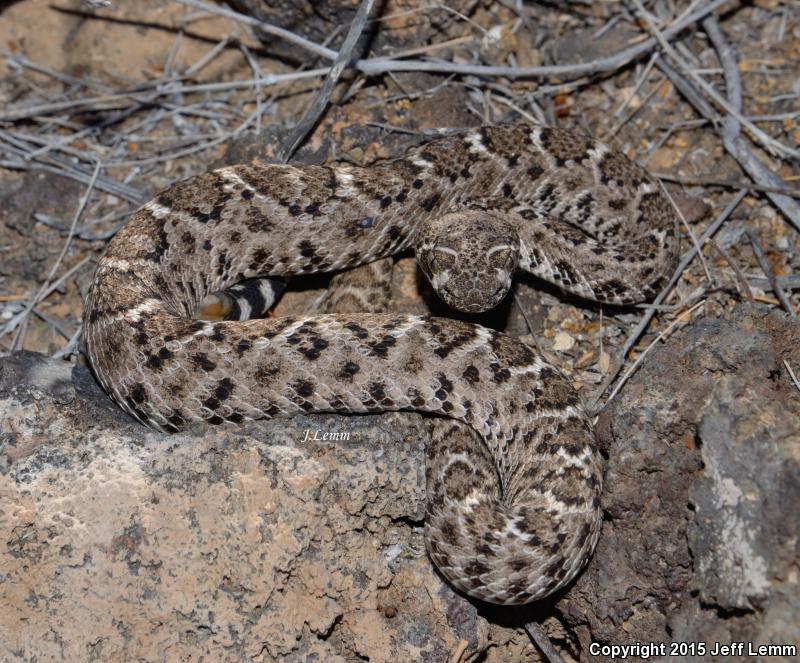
(510, 519)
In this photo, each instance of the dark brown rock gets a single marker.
(698, 544)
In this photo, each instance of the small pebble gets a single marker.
(563, 341)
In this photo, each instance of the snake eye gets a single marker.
(443, 259)
(501, 257)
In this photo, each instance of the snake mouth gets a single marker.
(469, 306)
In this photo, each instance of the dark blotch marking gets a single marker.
(431, 201)
(214, 215)
(224, 389)
(160, 248)
(202, 361)
(476, 568)
(176, 419)
(348, 370)
(316, 348)
(377, 390)
(357, 329)
(303, 388)
(471, 375)
(519, 563)
(138, 393)
(486, 138)
(306, 249)
(381, 348)
(535, 171)
(188, 242)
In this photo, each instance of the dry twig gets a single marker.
(317, 107)
(537, 634)
(792, 375)
(765, 267)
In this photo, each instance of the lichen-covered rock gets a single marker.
(234, 544)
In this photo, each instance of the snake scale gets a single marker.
(513, 513)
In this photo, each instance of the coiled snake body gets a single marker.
(512, 516)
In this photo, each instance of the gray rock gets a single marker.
(701, 536)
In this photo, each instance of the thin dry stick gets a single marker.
(634, 111)
(71, 346)
(258, 76)
(55, 324)
(56, 164)
(702, 180)
(17, 319)
(23, 315)
(629, 97)
(458, 653)
(740, 279)
(22, 61)
(537, 634)
(682, 265)
(317, 107)
(791, 374)
(208, 57)
(291, 37)
(731, 139)
(689, 232)
(670, 130)
(737, 147)
(765, 267)
(115, 101)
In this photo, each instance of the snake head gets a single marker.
(469, 258)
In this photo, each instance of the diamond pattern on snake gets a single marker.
(513, 512)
